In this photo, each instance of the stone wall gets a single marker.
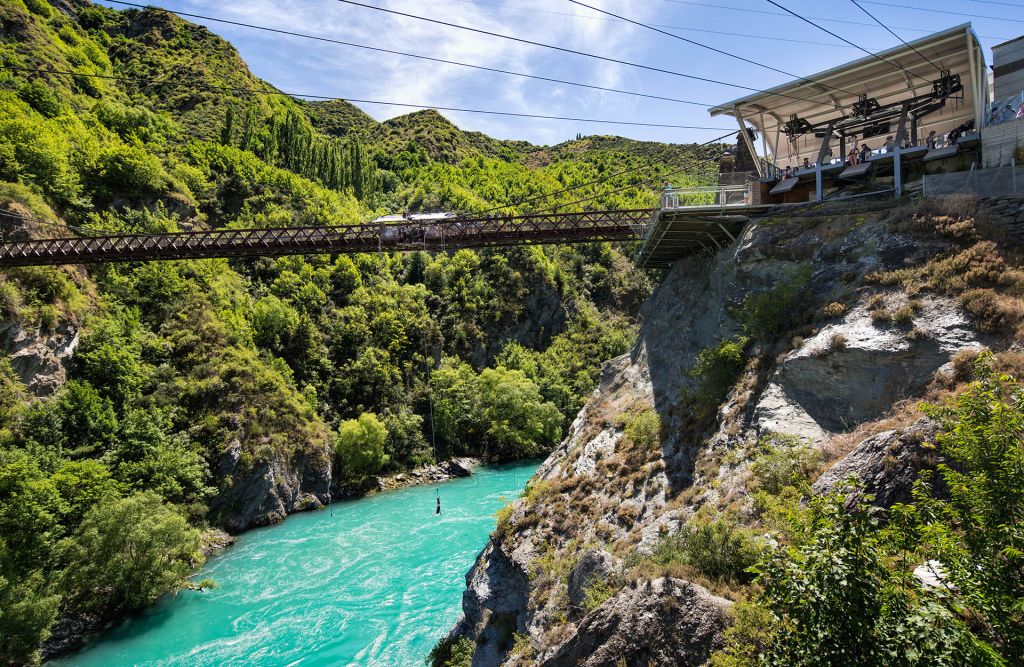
(999, 142)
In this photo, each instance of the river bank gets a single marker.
(369, 581)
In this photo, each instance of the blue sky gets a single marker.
(303, 66)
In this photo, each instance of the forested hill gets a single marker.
(143, 404)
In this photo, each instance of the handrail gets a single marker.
(720, 196)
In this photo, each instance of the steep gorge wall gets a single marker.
(835, 378)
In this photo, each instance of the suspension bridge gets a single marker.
(673, 230)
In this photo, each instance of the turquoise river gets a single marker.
(377, 583)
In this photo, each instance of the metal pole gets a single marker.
(817, 183)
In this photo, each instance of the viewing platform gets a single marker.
(694, 219)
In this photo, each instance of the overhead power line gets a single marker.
(564, 49)
(858, 6)
(379, 49)
(763, 12)
(261, 91)
(745, 35)
(943, 11)
(705, 46)
(873, 55)
(993, 2)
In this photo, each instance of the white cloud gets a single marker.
(306, 66)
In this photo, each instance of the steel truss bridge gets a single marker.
(444, 234)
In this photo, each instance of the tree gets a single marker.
(519, 422)
(978, 533)
(28, 608)
(83, 485)
(147, 458)
(405, 444)
(359, 446)
(30, 511)
(127, 553)
(458, 416)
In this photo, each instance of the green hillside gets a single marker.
(194, 382)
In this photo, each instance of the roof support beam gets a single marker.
(897, 164)
(823, 151)
(975, 88)
(750, 144)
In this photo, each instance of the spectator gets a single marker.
(852, 157)
(788, 173)
(807, 163)
(865, 152)
(889, 145)
(930, 141)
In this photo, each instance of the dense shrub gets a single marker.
(451, 652)
(844, 593)
(359, 446)
(768, 314)
(719, 549)
(715, 372)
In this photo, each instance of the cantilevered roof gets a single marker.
(832, 92)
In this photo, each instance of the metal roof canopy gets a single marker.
(956, 49)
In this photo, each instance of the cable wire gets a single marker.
(406, 54)
(705, 46)
(943, 11)
(746, 35)
(816, 18)
(564, 49)
(260, 91)
(873, 55)
(856, 4)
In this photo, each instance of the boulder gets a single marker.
(661, 622)
(888, 463)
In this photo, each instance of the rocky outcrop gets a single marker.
(494, 604)
(39, 358)
(888, 463)
(441, 472)
(595, 565)
(599, 501)
(266, 491)
(660, 622)
(854, 370)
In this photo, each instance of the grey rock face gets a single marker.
(594, 565)
(39, 358)
(855, 370)
(888, 463)
(493, 605)
(660, 622)
(271, 489)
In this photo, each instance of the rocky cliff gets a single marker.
(845, 316)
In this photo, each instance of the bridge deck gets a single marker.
(464, 232)
(676, 233)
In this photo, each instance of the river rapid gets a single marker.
(374, 581)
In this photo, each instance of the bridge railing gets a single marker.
(704, 196)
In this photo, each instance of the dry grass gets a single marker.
(648, 571)
(903, 414)
(994, 312)
(833, 310)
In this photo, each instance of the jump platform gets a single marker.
(677, 233)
